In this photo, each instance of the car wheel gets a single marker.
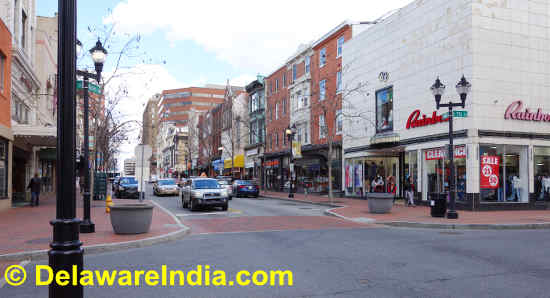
(192, 206)
(224, 207)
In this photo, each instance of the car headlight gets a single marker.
(196, 194)
(225, 193)
(122, 188)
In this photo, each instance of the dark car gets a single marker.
(203, 192)
(245, 188)
(127, 188)
(114, 184)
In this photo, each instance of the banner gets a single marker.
(489, 177)
(296, 149)
(441, 153)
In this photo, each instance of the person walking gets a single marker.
(409, 191)
(34, 186)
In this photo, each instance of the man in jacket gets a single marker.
(34, 186)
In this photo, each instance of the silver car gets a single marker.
(227, 186)
(204, 192)
(166, 187)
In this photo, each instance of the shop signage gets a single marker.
(296, 149)
(252, 152)
(441, 153)
(271, 163)
(489, 172)
(415, 120)
(515, 111)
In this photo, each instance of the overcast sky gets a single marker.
(212, 41)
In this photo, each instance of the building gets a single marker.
(150, 130)
(254, 151)
(235, 130)
(209, 137)
(502, 140)
(130, 167)
(6, 135)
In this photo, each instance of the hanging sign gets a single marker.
(415, 120)
(489, 177)
(441, 153)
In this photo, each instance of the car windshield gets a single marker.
(205, 184)
(245, 182)
(167, 182)
(130, 180)
(223, 182)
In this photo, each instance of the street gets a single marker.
(329, 257)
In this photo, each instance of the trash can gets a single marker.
(438, 204)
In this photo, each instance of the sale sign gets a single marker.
(489, 172)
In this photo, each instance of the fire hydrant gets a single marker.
(108, 204)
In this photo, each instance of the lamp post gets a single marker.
(290, 133)
(438, 89)
(66, 250)
(98, 54)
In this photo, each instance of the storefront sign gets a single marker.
(416, 121)
(252, 152)
(271, 163)
(441, 153)
(296, 149)
(489, 172)
(514, 111)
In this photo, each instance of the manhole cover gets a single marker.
(451, 233)
(38, 241)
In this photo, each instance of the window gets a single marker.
(322, 130)
(284, 137)
(322, 89)
(276, 85)
(276, 111)
(284, 106)
(24, 29)
(339, 121)
(284, 79)
(322, 57)
(304, 101)
(308, 63)
(277, 140)
(294, 72)
(339, 81)
(384, 110)
(2, 70)
(542, 173)
(299, 134)
(306, 134)
(340, 44)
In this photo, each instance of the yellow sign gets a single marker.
(296, 149)
(239, 162)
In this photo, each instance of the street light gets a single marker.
(98, 54)
(290, 133)
(438, 89)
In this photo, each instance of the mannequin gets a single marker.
(516, 188)
(545, 181)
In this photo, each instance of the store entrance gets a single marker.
(437, 172)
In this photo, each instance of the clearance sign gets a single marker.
(441, 153)
(489, 172)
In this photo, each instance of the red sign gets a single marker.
(441, 153)
(415, 120)
(514, 111)
(489, 177)
(271, 163)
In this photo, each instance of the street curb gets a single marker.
(306, 202)
(405, 224)
(108, 247)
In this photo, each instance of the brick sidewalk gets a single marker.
(28, 228)
(357, 209)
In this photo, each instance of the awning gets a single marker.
(31, 135)
(238, 162)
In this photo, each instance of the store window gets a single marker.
(372, 174)
(503, 173)
(437, 172)
(542, 173)
(384, 110)
(3, 168)
(410, 168)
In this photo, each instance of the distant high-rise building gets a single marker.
(130, 167)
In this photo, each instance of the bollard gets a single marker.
(108, 204)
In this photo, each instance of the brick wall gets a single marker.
(5, 94)
(276, 126)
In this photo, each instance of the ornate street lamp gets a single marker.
(98, 54)
(438, 89)
(290, 133)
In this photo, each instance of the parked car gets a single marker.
(247, 188)
(166, 187)
(204, 192)
(127, 187)
(153, 179)
(114, 185)
(226, 184)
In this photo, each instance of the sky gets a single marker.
(192, 43)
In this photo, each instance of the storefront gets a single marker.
(234, 169)
(4, 168)
(275, 177)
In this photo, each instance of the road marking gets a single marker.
(210, 213)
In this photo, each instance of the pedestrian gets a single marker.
(34, 186)
(409, 191)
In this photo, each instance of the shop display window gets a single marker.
(542, 173)
(437, 172)
(384, 110)
(503, 173)
(373, 174)
(410, 168)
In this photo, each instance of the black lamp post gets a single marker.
(438, 89)
(66, 250)
(98, 54)
(290, 133)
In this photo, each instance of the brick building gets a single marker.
(6, 135)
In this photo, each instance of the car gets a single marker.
(204, 192)
(247, 188)
(114, 184)
(153, 179)
(166, 187)
(127, 187)
(227, 185)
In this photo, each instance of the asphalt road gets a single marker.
(345, 262)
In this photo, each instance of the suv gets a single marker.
(203, 192)
(127, 187)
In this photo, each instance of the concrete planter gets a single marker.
(131, 218)
(380, 202)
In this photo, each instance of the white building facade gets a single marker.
(502, 145)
